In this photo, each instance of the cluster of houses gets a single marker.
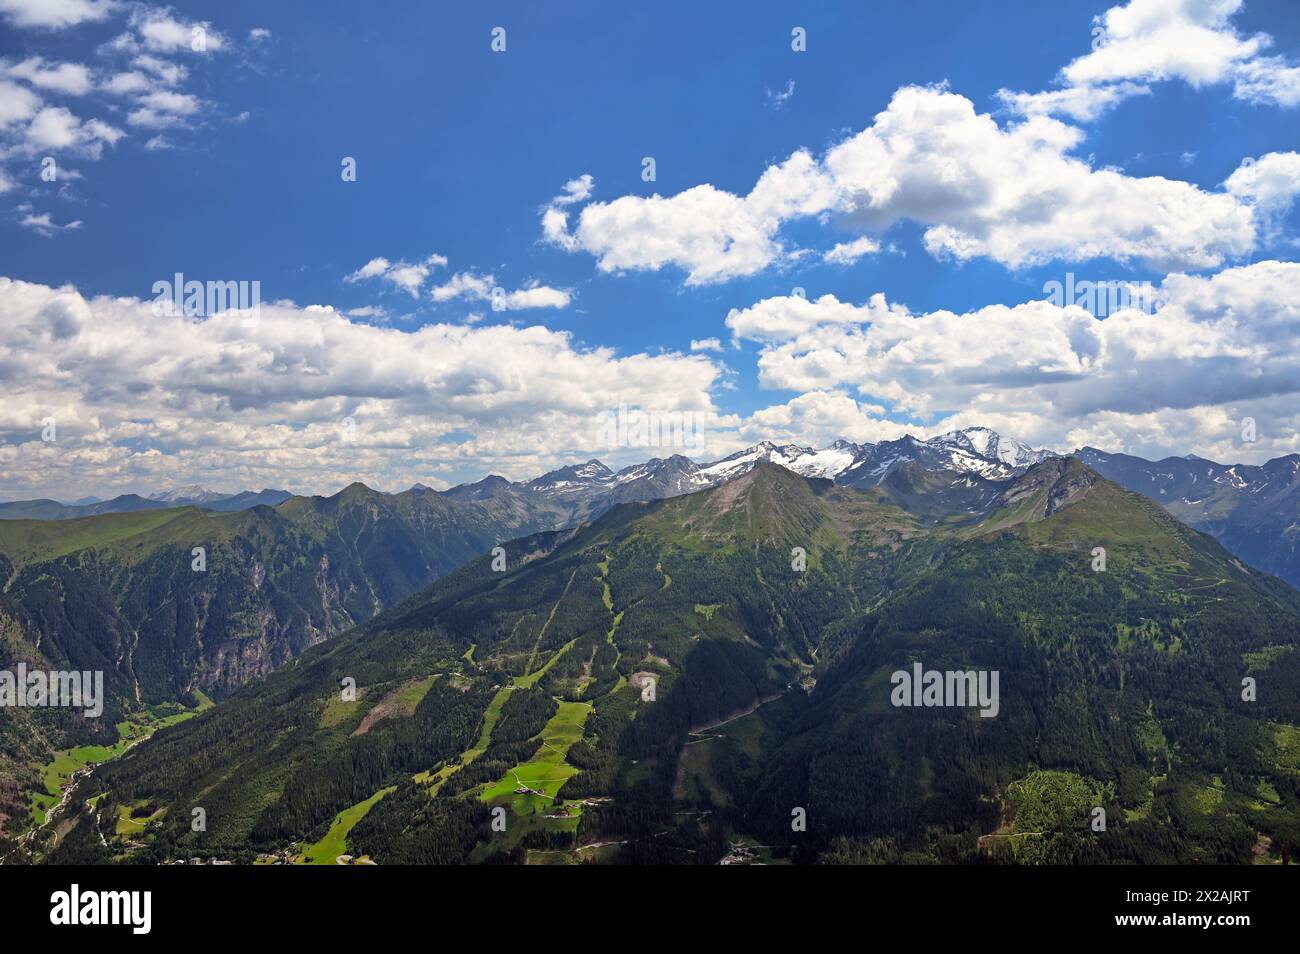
(739, 853)
(201, 861)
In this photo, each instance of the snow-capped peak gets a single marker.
(827, 462)
(975, 451)
(988, 444)
(575, 476)
(662, 476)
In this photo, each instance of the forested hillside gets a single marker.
(710, 676)
(168, 603)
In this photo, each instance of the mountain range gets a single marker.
(1253, 509)
(116, 591)
(307, 568)
(592, 487)
(46, 509)
(707, 678)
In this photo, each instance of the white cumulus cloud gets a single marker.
(1216, 350)
(55, 14)
(144, 401)
(1149, 41)
(1013, 194)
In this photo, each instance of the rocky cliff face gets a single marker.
(121, 593)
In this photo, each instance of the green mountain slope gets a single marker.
(692, 671)
(1125, 684)
(119, 593)
(1253, 510)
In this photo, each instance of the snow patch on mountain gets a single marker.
(975, 451)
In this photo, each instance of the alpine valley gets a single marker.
(674, 662)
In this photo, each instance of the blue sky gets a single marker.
(233, 173)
